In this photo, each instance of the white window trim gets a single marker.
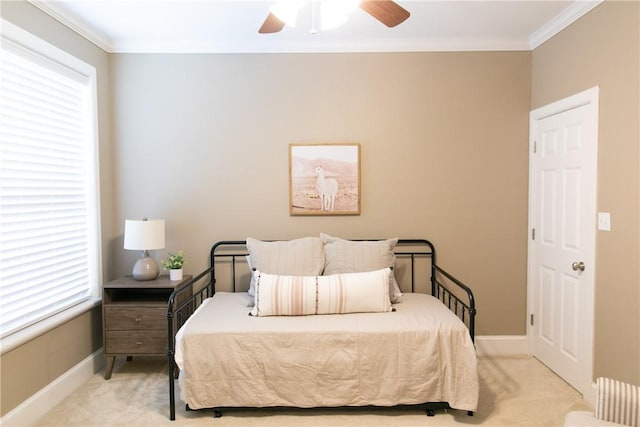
(21, 37)
(27, 334)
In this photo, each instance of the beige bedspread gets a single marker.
(420, 353)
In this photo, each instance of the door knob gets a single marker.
(578, 266)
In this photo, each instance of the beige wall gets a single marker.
(602, 49)
(203, 140)
(28, 368)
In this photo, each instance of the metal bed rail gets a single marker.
(465, 310)
(182, 303)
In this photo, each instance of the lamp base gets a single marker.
(146, 268)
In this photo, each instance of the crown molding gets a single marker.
(60, 15)
(567, 17)
(356, 46)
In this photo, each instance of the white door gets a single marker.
(562, 216)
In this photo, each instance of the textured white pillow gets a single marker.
(283, 295)
(298, 257)
(348, 256)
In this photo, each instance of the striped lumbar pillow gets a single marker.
(281, 295)
(354, 292)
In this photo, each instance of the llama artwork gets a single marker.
(327, 190)
(324, 179)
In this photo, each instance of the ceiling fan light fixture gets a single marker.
(287, 11)
(329, 21)
(334, 13)
(331, 13)
(346, 6)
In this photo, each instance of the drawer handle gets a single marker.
(138, 319)
(138, 342)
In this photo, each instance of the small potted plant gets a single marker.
(173, 263)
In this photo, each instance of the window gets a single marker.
(49, 233)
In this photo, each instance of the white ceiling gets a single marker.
(232, 26)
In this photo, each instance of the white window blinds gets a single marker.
(49, 242)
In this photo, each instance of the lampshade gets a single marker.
(144, 235)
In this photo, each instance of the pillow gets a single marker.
(299, 257)
(282, 295)
(277, 295)
(354, 292)
(348, 256)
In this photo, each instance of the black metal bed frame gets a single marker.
(460, 300)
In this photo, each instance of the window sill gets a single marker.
(18, 338)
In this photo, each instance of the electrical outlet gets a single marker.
(604, 221)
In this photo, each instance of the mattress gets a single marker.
(419, 353)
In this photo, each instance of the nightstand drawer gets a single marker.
(135, 318)
(136, 342)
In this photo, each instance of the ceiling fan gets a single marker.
(388, 12)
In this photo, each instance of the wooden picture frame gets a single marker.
(324, 179)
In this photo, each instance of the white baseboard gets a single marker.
(35, 407)
(502, 345)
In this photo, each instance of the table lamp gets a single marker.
(144, 235)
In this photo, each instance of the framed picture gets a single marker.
(324, 179)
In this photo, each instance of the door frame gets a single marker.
(587, 97)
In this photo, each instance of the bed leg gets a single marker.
(470, 413)
(430, 412)
(172, 396)
(217, 413)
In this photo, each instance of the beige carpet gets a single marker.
(514, 391)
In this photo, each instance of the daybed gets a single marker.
(263, 345)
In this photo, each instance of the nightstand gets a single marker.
(134, 317)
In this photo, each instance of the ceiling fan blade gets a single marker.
(388, 12)
(271, 25)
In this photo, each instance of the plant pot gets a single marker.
(175, 274)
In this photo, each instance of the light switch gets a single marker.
(604, 221)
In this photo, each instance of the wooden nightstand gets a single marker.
(134, 317)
